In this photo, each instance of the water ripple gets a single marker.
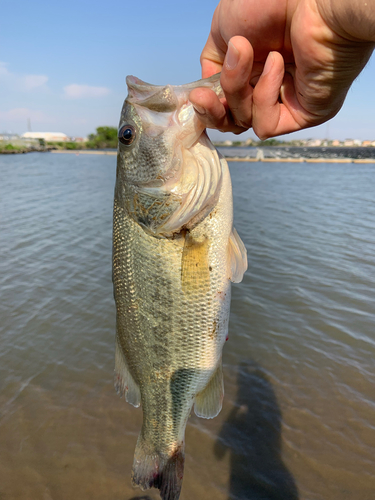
(299, 362)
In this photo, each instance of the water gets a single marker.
(298, 420)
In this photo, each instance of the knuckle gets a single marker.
(263, 126)
(263, 133)
(242, 122)
(231, 88)
(257, 100)
(240, 131)
(235, 85)
(244, 125)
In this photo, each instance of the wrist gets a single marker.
(354, 20)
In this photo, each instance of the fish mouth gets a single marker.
(166, 98)
(140, 86)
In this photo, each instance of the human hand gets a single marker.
(285, 65)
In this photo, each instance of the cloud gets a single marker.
(22, 114)
(76, 91)
(21, 82)
(31, 82)
(4, 72)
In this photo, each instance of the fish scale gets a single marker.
(171, 273)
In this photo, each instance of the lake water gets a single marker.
(298, 421)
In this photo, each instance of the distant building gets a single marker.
(47, 136)
(336, 143)
(366, 143)
(313, 143)
(79, 139)
(249, 142)
(5, 136)
(349, 143)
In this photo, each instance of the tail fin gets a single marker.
(158, 470)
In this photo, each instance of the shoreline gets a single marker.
(237, 159)
(302, 160)
(23, 151)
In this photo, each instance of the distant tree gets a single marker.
(71, 145)
(270, 142)
(105, 137)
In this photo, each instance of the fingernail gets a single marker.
(232, 57)
(269, 63)
(199, 109)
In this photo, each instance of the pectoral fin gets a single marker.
(237, 257)
(208, 402)
(195, 273)
(124, 382)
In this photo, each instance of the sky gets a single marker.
(63, 64)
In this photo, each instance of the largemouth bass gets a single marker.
(175, 253)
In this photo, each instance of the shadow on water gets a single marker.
(252, 436)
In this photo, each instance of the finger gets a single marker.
(212, 57)
(232, 114)
(212, 111)
(213, 54)
(270, 116)
(235, 80)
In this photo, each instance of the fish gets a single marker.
(175, 254)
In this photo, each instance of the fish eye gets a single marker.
(126, 135)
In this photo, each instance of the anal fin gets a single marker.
(124, 382)
(208, 402)
(237, 256)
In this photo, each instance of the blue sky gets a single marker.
(63, 64)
